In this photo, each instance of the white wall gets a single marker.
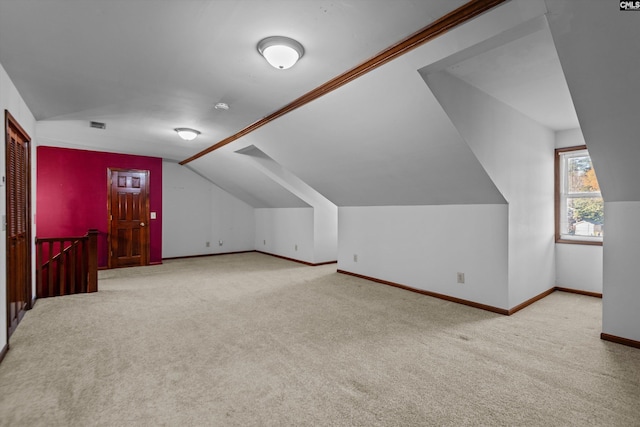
(424, 247)
(195, 211)
(279, 230)
(325, 213)
(621, 296)
(605, 94)
(569, 138)
(517, 153)
(325, 230)
(577, 266)
(11, 100)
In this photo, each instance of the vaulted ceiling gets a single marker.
(145, 68)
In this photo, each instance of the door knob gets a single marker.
(142, 224)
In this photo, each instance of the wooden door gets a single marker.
(128, 206)
(18, 199)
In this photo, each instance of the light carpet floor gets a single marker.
(252, 340)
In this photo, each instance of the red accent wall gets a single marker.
(71, 194)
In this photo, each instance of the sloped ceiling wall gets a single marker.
(382, 139)
(292, 183)
(599, 51)
(236, 174)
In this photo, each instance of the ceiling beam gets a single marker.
(457, 17)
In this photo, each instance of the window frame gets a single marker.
(559, 180)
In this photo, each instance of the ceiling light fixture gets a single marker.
(187, 134)
(221, 106)
(280, 52)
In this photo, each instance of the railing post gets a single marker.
(92, 280)
(51, 268)
(39, 290)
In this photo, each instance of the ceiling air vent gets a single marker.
(98, 125)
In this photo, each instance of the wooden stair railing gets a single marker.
(67, 265)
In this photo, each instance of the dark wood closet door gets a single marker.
(129, 217)
(18, 173)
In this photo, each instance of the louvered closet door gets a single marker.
(18, 222)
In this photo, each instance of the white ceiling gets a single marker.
(145, 67)
(389, 143)
(525, 74)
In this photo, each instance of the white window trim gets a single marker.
(563, 156)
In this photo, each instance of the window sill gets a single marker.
(580, 242)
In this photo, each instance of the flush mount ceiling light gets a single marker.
(280, 52)
(221, 106)
(187, 134)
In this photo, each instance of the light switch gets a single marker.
(153, 215)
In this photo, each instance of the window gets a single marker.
(579, 204)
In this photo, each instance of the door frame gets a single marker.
(10, 121)
(147, 239)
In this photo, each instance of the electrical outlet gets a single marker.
(460, 277)
(296, 247)
(264, 242)
(208, 244)
(355, 257)
(220, 242)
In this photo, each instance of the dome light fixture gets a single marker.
(280, 52)
(187, 134)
